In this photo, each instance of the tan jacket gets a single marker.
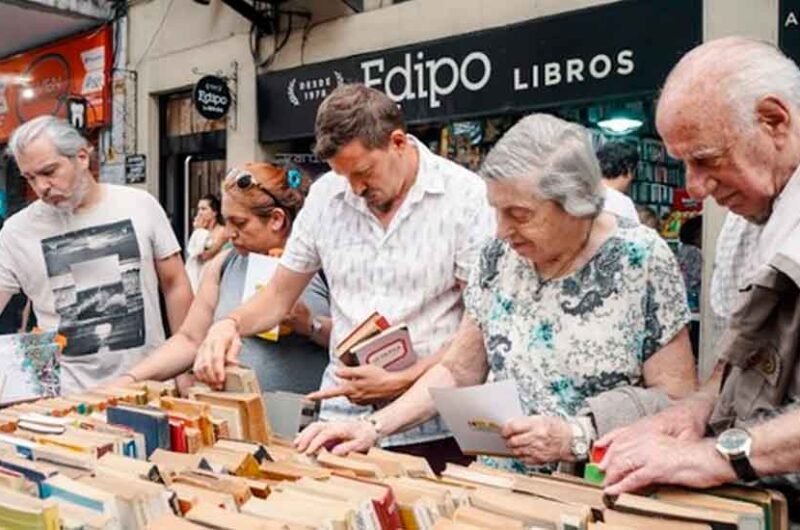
(762, 349)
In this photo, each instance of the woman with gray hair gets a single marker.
(586, 314)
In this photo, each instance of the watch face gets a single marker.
(733, 440)
(580, 449)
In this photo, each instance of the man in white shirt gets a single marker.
(91, 257)
(618, 162)
(396, 229)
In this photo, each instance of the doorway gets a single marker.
(192, 159)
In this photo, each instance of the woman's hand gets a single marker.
(539, 440)
(341, 437)
(220, 347)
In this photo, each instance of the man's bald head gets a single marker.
(730, 75)
(729, 110)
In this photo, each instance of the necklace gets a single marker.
(537, 294)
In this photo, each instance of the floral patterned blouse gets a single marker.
(575, 337)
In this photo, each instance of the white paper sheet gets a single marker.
(475, 414)
(260, 269)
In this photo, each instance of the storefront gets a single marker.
(68, 78)
(460, 94)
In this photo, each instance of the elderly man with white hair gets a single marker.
(730, 110)
(588, 315)
(91, 257)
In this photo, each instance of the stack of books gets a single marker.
(375, 341)
(111, 461)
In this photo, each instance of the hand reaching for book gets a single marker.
(364, 385)
(220, 347)
(632, 465)
(339, 437)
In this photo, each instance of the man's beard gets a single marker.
(70, 204)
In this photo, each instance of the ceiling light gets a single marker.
(620, 125)
(28, 93)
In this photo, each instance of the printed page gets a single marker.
(476, 415)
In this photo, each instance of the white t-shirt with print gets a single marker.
(92, 276)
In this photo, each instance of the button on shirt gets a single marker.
(407, 272)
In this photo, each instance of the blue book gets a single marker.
(151, 422)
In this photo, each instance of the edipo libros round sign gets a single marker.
(211, 97)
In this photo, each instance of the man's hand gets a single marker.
(538, 439)
(299, 319)
(681, 421)
(220, 347)
(632, 465)
(340, 437)
(364, 385)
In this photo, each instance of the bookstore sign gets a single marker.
(789, 29)
(556, 60)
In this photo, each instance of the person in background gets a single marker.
(690, 260)
(730, 110)
(260, 202)
(585, 312)
(618, 161)
(91, 257)
(396, 229)
(207, 239)
(648, 217)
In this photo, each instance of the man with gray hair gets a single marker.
(396, 229)
(730, 110)
(90, 256)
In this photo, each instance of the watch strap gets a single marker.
(743, 468)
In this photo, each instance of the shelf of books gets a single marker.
(140, 457)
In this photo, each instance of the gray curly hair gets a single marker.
(556, 157)
(67, 139)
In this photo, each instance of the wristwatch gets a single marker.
(369, 418)
(734, 445)
(579, 446)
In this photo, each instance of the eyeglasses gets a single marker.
(245, 181)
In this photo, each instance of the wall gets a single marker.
(167, 38)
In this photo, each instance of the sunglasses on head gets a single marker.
(245, 181)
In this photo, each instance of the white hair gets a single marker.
(556, 157)
(741, 71)
(65, 137)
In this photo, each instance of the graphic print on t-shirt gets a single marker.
(94, 273)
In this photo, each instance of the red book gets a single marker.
(177, 432)
(384, 503)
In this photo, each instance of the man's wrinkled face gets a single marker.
(736, 167)
(59, 181)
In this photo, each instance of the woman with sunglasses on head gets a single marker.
(259, 203)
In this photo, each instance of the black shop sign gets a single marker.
(789, 29)
(624, 48)
(211, 97)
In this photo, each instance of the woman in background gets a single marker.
(207, 239)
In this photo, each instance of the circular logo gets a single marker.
(212, 98)
(47, 89)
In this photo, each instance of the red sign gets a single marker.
(41, 81)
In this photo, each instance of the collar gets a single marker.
(782, 230)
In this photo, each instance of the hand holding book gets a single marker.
(364, 385)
